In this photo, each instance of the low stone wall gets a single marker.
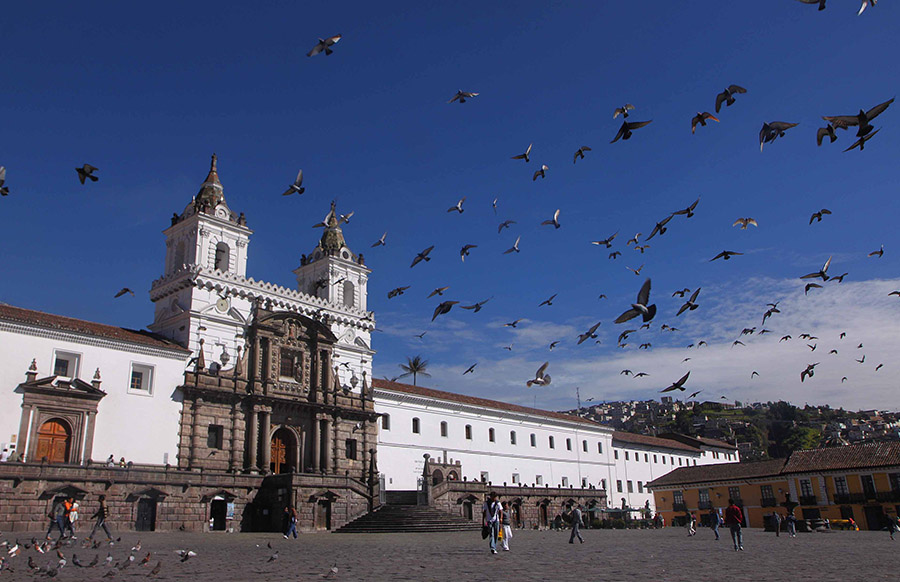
(165, 499)
(535, 507)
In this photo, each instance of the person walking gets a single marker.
(68, 524)
(714, 522)
(791, 524)
(73, 516)
(893, 525)
(57, 518)
(776, 520)
(576, 525)
(100, 515)
(492, 512)
(507, 525)
(733, 519)
(290, 522)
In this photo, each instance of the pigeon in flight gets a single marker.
(727, 96)
(725, 255)
(540, 378)
(636, 271)
(809, 372)
(623, 111)
(700, 119)
(606, 242)
(745, 222)
(514, 248)
(589, 334)
(123, 291)
(817, 216)
(297, 186)
(861, 119)
(689, 211)
(660, 227)
(87, 172)
(438, 291)
(477, 306)
(737, 343)
(822, 273)
(524, 156)
(694, 394)
(879, 253)
(773, 130)
(461, 96)
(470, 369)
(861, 142)
(512, 323)
(691, 303)
(615, 254)
(640, 307)
(828, 130)
(505, 224)
(464, 251)
(324, 45)
(865, 4)
(398, 291)
(681, 292)
(677, 385)
(548, 302)
(579, 153)
(554, 222)
(458, 207)
(553, 344)
(810, 286)
(4, 190)
(444, 307)
(380, 242)
(625, 131)
(541, 173)
(423, 256)
(634, 239)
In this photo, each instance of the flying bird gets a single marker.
(677, 385)
(809, 372)
(464, 251)
(817, 216)
(579, 153)
(380, 242)
(505, 224)
(524, 156)
(636, 271)
(615, 254)
(878, 367)
(324, 45)
(861, 119)
(627, 128)
(461, 96)
(4, 190)
(554, 222)
(442, 308)
(865, 4)
(438, 291)
(514, 248)
(690, 304)
(727, 96)
(861, 142)
(470, 369)
(458, 207)
(296, 187)
(548, 302)
(541, 173)
(823, 272)
(423, 256)
(634, 239)
(773, 130)
(828, 130)
(737, 343)
(398, 291)
(477, 306)
(694, 394)
(512, 323)
(811, 286)
(879, 253)
(701, 118)
(607, 242)
(640, 307)
(753, 374)
(589, 334)
(725, 255)
(623, 111)
(839, 278)
(87, 172)
(553, 344)
(625, 372)
(123, 291)
(540, 378)
(660, 227)
(745, 222)
(689, 211)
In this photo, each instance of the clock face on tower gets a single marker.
(223, 304)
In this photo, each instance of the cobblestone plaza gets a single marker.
(667, 555)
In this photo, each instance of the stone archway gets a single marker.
(437, 477)
(54, 441)
(283, 451)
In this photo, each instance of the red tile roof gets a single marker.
(864, 455)
(62, 323)
(651, 441)
(697, 442)
(475, 401)
(719, 472)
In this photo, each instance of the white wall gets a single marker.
(141, 428)
(641, 464)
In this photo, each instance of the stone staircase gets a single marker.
(408, 519)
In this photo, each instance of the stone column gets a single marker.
(265, 428)
(327, 439)
(252, 438)
(328, 380)
(317, 444)
(195, 433)
(301, 447)
(89, 438)
(234, 458)
(22, 440)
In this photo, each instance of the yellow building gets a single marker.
(860, 482)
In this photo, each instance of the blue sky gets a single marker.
(148, 93)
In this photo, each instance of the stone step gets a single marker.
(398, 519)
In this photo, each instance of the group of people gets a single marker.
(9, 456)
(778, 519)
(497, 523)
(64, 517)
(733, 518)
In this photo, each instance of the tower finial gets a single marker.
(212, 166)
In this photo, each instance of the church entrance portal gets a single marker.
(323, 514)
(146, 515)
(218, 510)
(284, 451)
(54, 441)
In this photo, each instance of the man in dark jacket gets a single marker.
(57, 518)
(100, 515)
(733, 519)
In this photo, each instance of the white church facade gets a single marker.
(266, 392)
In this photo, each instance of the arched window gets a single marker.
(386, 422)
(349, 294)
(468, 432)
(443, 428)
(491, 434)
(223, 257)
(415, 425)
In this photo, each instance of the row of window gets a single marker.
(492, 434)
(637, 458)
(140, 379)
(629, 485)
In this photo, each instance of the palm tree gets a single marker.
(415, 366)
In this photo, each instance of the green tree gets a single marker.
(801, 437)
(415, 366)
